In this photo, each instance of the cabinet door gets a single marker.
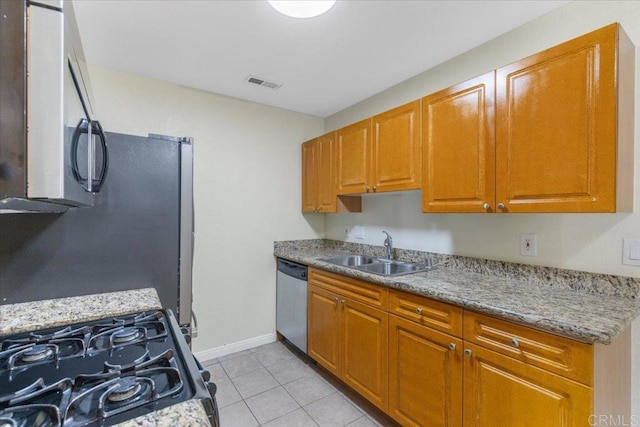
(309, 177)
(365, 351)
(396, 150)
(425, 375)
(323, 330)
(326, 172)
(354, 158)
(459, 151)
(501, 391)
(556, 128)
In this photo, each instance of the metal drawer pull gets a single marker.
(419, 310)
(452, 346)
(515, 342)
(335, 299)
(342, 302)
(468, 352)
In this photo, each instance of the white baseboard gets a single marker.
(213, 353)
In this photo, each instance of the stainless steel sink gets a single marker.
(392, 268)
(351, 260)
(381, 266)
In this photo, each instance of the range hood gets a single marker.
(53, 154)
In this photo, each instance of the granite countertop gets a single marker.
(576, 314)
(189, 413)
(31, 316)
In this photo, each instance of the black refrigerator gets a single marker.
(138, 234)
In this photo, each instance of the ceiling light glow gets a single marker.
(302, 8)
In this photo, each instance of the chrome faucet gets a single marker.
(388, 244)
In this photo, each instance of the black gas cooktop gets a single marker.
(98, 373)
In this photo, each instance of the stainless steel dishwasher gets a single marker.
(291, 302)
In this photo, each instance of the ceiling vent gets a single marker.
(262, 82)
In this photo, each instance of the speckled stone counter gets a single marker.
(189, 413)
(561, 304)
(30, 316)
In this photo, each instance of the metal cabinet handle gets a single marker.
(375, 188)
(500, 205)
(335, 299)
(452, 346)
(342, 302)
(419, 310)
(486, 206)
(468, 352)
(366, 188)
(515, 342)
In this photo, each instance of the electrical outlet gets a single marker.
(528, 245)
(358, 232)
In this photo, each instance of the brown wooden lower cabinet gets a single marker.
(425, 375)
(350, 340)
(396, 358)
(323, 343)
(502, 391)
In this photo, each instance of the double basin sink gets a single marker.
(381, 266)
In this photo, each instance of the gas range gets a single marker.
(101, 372)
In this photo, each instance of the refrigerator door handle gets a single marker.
(186, 232)
(194, 324)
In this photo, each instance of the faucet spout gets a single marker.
(388, 245)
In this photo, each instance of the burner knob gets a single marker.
(206, 375)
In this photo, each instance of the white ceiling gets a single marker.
(324, 64)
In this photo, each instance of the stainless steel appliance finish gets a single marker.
(138, 234)
(291, 301)
(52, 150)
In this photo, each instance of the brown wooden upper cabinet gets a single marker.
(560, 133)
(318, 177)
(381, 153)
(354, 158)
(459, 148)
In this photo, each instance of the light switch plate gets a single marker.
(631, 252)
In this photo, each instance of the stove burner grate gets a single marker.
(37, 353)
(127, 335)
(125, 389)
(30, 415)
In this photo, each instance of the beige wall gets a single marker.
(246, 192)
(589, 242)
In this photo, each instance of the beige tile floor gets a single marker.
(276, 385)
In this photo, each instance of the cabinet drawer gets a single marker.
(437, 315)
(566, 357)
(357, 290)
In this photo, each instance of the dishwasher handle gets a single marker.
(293, 269)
